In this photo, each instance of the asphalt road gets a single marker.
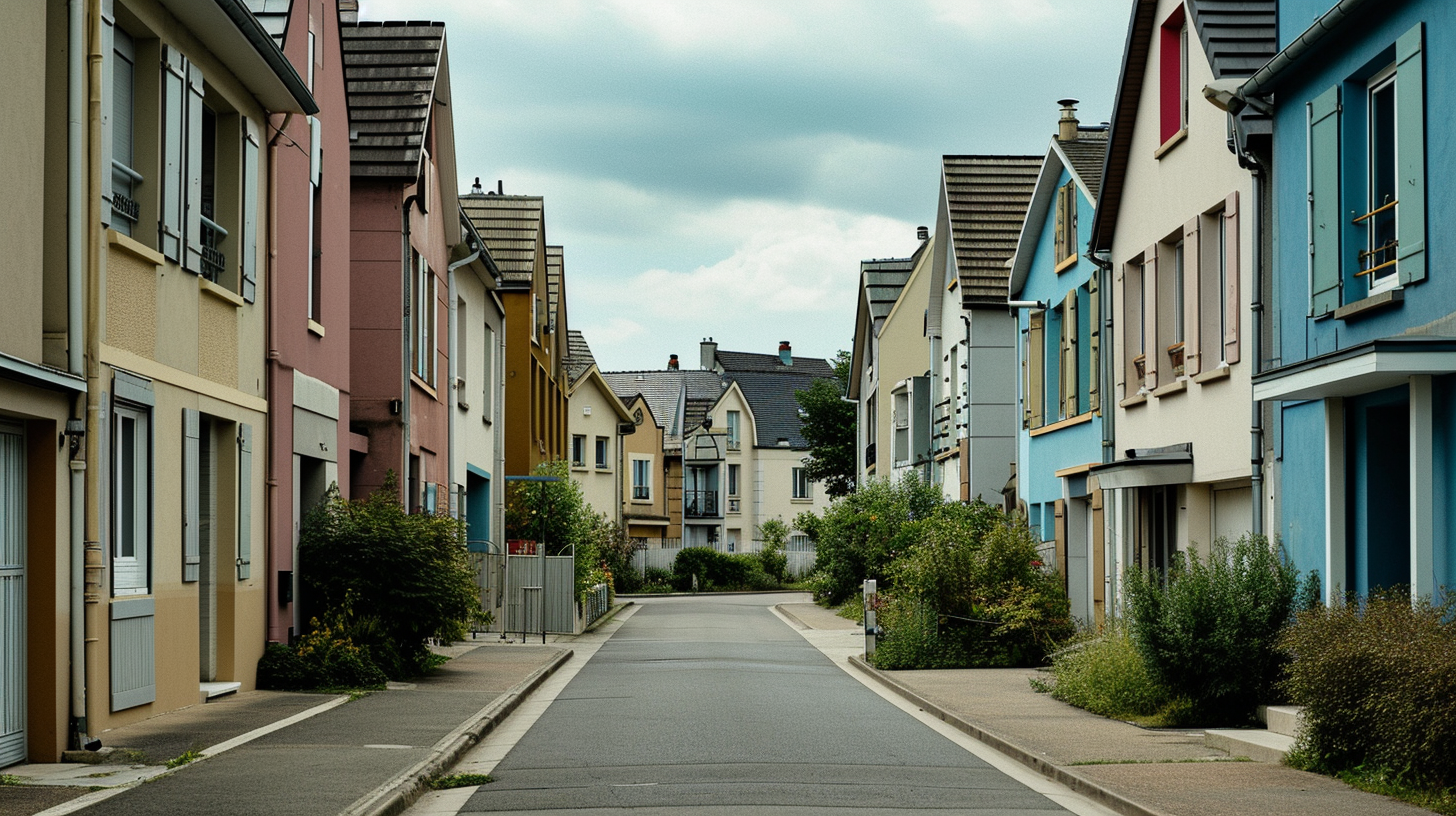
(712, 704)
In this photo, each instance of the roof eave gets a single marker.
(230, 31)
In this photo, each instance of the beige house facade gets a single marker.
(595, 421)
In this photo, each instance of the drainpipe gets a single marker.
(270, 271)
(1256, 314)
(454, 367)
(404, 336)
(76, 222)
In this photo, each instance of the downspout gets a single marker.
(76, 220)
(1256, 315)
(453, 370)
(270, 272)
(404, 336)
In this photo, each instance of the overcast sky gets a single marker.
(720, 167)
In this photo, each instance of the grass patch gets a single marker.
(1389, 783)
(465, 780)
(190, 755)
(1106, 675)
(10, 779)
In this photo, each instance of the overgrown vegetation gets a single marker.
(718, 571)
(462, 780)
(772, 555)
(1105, 674)
(861, 534)
(1377, 680)
(188, 756)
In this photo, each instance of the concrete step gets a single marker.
(211, 690)
(1256, 744)
(1286, 720)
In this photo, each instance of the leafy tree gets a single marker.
(774, 534)
(829, 428)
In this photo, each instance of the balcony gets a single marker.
(213, 259)
(700, 503)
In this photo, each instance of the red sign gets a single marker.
(521, 546)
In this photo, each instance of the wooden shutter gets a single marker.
(1036, 368)
(1025, 376)
(245, 501)
(1094, 339)
(174, 164)
(1192, 271)
(108, 96)
(1324, 201)
(193, 188)
(1151, 353)
(133, 661)
(1069, 354)
(1410, 150)
(1121, 353)
(249, 243)
(1232, 254)
(191, 493)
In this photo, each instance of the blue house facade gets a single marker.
(1055, 292)
(1362, 358)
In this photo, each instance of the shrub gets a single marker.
(718, 571)
(386, 579)
(1378, 683)
(771, 557)
(657, 579)
(325, 658)
(1105, 674)
(859, 535)
(1209, 633)
(913, 639)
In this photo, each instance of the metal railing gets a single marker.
(213, 259)
(700, 503)
(595, 603)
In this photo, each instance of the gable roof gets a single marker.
(882, 281)
(664, 390)
(273, 16)
(734, 362)
(511, 227)
(578, 358)
(1086, 154)
(775, 411)
(986, 199)
(389, 79)
(1091, 149)
(555, 269)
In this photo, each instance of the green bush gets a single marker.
(913, 639)
(1105, 674)
(719, 571)
(859, 535)
(322, 659)
(390, 580)
(1208, 634)
(772, 558)
(657, 579)
(1378, 684)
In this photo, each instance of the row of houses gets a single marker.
(237, 273)
(1221, 312)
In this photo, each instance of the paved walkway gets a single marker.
(1132, 770)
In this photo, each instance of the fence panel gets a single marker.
(522, 608)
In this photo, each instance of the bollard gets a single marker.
(871, 629)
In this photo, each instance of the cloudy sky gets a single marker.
(720, 167)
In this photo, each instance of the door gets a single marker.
(12, 595)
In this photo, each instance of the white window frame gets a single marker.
(1382, 82)
(578, 450)
(131, 568)
(423, 295)
(734, 423)
(733, 474)
(802, 488)
(603, 450)
(641, 487)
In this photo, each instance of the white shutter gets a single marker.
(245, 501)
(315, 151)
(174, 167)
(193, 180)
(249, 245)
(191, 503)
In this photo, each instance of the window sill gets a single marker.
(1174, 387)
(1220, 373)
(642, 501)
(1065, 264)
(1136, 399)
(801, 501)
(133, 247)
(315, 327)
(575, 466)
(1171, 143)
(415, 378)
(1374, 303)
(1063, 423)
(220, 292)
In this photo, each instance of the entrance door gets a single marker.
(12, 595)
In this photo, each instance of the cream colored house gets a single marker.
(595, 423)
(477, 358)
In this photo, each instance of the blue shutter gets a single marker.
(1410, 150)
(249, 243)
(245, 501)
(174, 165)
(108, 64)
(193, 180)
(191, 493)
(1324, 202)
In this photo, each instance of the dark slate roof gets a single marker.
(986, 197)
(775, 411)
(1124, 117)
(1087, 153)
(389, 76)
(555, 268)
(273, 16)
(1239, 37)
(734, 362)
(662, 387)
(510, 227)
(883, 280)
(578, 356)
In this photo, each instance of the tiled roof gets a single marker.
(1087, 153)
(883, 280)
(389, 76)
(510, 227)
(986, 197)
(775, 411)
(734, 362)
(1239, 37)
(273, 16)
(555, 268)
(662, 388)
(578, 356)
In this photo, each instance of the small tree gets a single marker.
(860, 534)
(829, 428)
(774, 535)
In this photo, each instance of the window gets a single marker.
(733, 440)
(131, 541)
(1173, 76)
(1367, 208)
(602, 461)
(801, 484)
(1066, 230)
(423, 290)
(461, 352)
(315, 212)
(641, 479)
(124, 209)
(1213, 340)
(733, 480)
(578, 450)
(488, 378)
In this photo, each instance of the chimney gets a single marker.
(786, 353)
(707, 354)
(475, 188)
(672, 362)
(349, 11)
(500, 186)
(1067, 125)
(923, 233)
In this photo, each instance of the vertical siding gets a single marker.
(133, 653)
(12, 597)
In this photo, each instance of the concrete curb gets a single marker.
(791, 616)
(397, 794)
(607, 616)
(1056, 773)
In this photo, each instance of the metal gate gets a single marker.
(12, 595)
(524, 605)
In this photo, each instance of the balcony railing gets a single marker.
(700, 503)
(213, 259)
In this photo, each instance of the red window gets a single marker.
(1173, 75)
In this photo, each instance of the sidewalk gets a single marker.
(269, 752)
(1132, 770)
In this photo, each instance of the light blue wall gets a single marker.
(1302, 485)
